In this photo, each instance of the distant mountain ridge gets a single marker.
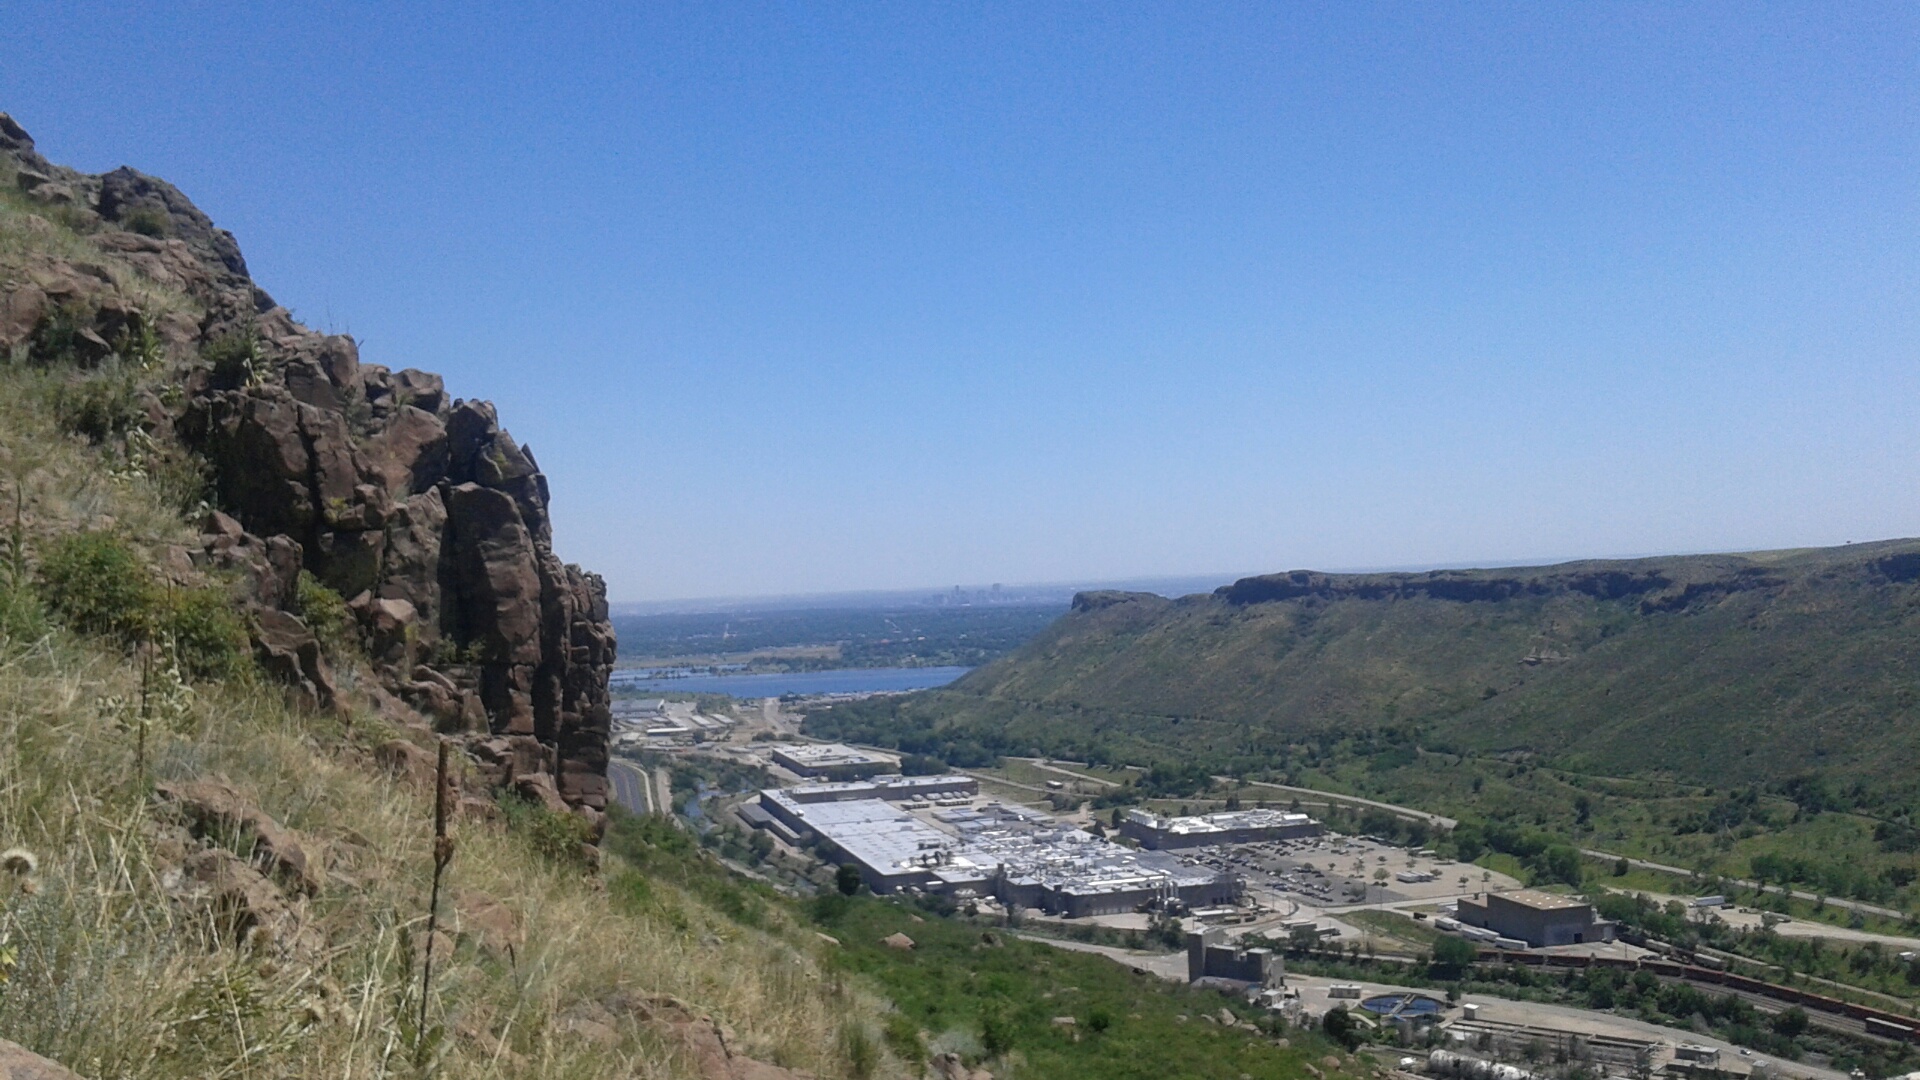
(1735, 668)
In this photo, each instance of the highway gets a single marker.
(1850, 905)
(629, 784)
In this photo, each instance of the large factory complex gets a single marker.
(928, 833)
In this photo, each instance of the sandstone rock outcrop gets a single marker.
(19, 1063)
(418, 508)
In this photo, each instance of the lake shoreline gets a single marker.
(747, 685)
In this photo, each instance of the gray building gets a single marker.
(1210, 956)
(1537, 918)
(1012, 854)
(833, 761)
(1232, 827)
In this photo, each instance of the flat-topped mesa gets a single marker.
(420, 508)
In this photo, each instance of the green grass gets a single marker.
(992, 996)
(1414, 932)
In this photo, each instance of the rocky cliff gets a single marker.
(418, 507)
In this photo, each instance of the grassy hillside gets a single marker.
(1712, 669)
(1699, 710)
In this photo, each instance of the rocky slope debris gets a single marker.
(417, 507)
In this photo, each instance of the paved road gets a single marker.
(1850, 905)
(1002, 781)
(1402, 811)
(629, 785)
(1068, 773)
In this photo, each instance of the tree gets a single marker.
(1452, 955)
(847, 879)
(1339, 1026)
(1792, 1022)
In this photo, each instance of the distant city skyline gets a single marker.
(794, 299)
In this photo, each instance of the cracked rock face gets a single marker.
(418, 508)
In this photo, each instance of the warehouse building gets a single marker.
(890, 788)
(1211, 956)
(1537, 918)
(1232, 827)
(834, 761)
(1017, 856)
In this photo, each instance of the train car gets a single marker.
(1888, 1029)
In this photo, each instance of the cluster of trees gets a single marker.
(1832, 877)
(1548, 857)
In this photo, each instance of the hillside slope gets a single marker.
(1718, 669)
(247, 584)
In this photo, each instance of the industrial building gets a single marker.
(890, 788)
(1537, 918)
(1012, 854)
(1210, 956)
(834, 761)
(1232, 827)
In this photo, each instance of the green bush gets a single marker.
(326, 614)
(555, 837)
(149, 221)
(235, 359)
(98, 408)
(847, 879)
(206, 632)
(97, 584)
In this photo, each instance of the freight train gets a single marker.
(1878, 1023)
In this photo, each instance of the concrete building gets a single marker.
(1012, 854)
(890, 788)
(1210, 956)
(1232, 827)
(834, 761)
(1537, 918)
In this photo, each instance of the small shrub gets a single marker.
(326, 614)
(863, 1054)
(97, 584)
(555, 837)
(235, 359)
(98, 409)
(904, 1036)
(996, 1030)
(1099, 1020)
(847, 879)
(148, 221)
(207, 633)
(60, 338)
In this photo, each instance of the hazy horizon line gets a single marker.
(1064, 589)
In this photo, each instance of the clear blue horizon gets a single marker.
(803, 299)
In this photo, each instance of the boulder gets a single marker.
(491, 923)
(246, 906)
(538, 789)
(410, 454)
(19, 1063)
(703, 1044)
(413, 764)
(898, 941)
(289, 652)
(214, 811)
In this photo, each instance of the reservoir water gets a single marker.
(841, 681)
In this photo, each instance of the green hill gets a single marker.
(1791, 670)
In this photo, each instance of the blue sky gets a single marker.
(801, 298)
